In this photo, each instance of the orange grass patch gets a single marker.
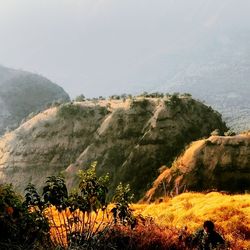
(230, 213)
(65, 222)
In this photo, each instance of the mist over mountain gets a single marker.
(111, 47)
(22, 93)
(104, 103)
(218, 74)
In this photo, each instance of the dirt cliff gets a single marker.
(218, 163)
(130, 139)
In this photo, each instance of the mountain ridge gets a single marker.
(129, 139)
(22, 93)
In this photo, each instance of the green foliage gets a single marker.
(20, 228)
(32, 198)
(71, 110)
(152, 95)
(140, 103)
(80, 98)
(114, 97)
(93, 189)
(8, 197)
(55, 192)
(175, 100)
(103, 111)
(187, 95)
(122, 199)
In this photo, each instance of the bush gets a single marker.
(80, 98)
(229, 133)
(216, 132)
(145, 236)
(70, 110)
(79, 219)
(20, 227)
(122, 212)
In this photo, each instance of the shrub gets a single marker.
(21, 228)
(175, 100)
(121, 211)
(229, 133)
(70, 110)
(216, 132)
(145, 236)
(80, 98)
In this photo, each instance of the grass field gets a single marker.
(230, 213)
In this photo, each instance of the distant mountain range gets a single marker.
(217, 72)
(22, 93)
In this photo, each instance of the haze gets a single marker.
(103, 47)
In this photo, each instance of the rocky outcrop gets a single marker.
(22, 93)
(130, 139)
(219, 162)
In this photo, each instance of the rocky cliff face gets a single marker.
(22, 93)
(219, 162)
(130, 139)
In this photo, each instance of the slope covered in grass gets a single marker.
(230, 213)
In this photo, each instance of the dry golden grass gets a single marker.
(230, 213)
(66, 222)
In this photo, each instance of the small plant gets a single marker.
(229, 133)
(55, 192)
(216, 132)
(70, 110)
(174, 100)
(80, 98)
(122, 199)
(88, 206)
(93, 189)
(32, 198)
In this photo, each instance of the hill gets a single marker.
(22, 93)
(219, 162)
(129, 138)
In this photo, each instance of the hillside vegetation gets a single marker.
(130, 139)
(85, 219)
(58, 220)
(22, 93)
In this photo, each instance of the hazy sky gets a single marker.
(102, 47)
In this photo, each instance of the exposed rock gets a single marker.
(220, 163)
(22, 93)
(129, 139)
